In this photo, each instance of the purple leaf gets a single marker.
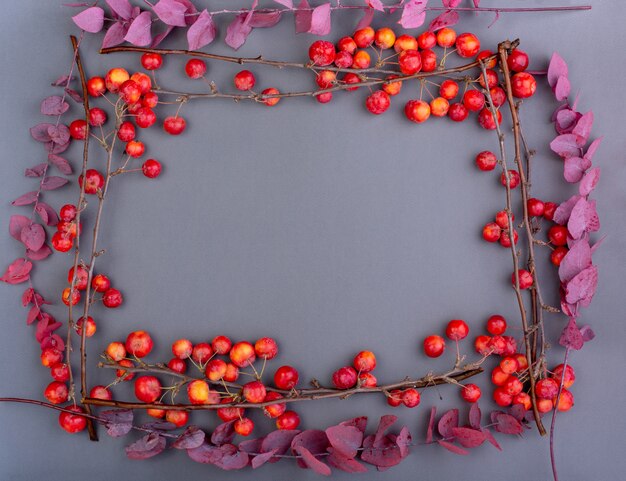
(451, 3)
(349, 465)
(205, 454)
(574, 168)
(312, 462)
(413, 14)
(40, 132)
(359, 422)
(286, 3)
(587, 333)
(577, 259)
(33, 236)
(518, 411)
(589, 181)
(223, 434)
(39, 255)
(320, 20)
(171, 12)
(303, 17)
(115, 35)
(122, 8)
(17, 272)
(431, 425)
(453, 448)
(278, 441)
(146, 447)
(345, 439)
(583, 218)
(139, 32)
(583, 128)
(565, 120)
(202, 32)
(366, 19)
(239, 29)
(16, 224)
(260, 459)
(571, 337)
(507, 424)
(474, 416)
(118, 422)
(489, 437)
(566, 145)
(265, 19)
(557, 68)
(468, 437)
(90, 20)
(53, 182)
(383, 425)
(46, 213)
(564, 210)
(161, 36)
(59, 134)
(582, 287)
(562, 88)
(193, 437)
(55, 148)
(476, 3)
(75, 96)
(232, 458)
(62, 81)
(593, 147)
(446, 19)
(313, 440)
(404, 441)
(60, 163)
(448, 421)
(382, 453)
(376, 5)
(26, 199)
(251, 446)
(54, 105)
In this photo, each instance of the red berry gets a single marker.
(498, 96)
(535, 207)
(570, 375)
(82, 277)
(56, 392)
(145, 117)
(254, 392)
(470, 393)
(130, 92)
(343, 59)
(487, 54)
(498, 376)
(514, 178)
(446, 37)
(434, 346)
(523, 85)
(378, 102)
(426, 40)
(60, 372)
(126, 131)
(467, 45)
(345, 377)
(392, 88)
(525, 279)
(501, 397)
(289, 420)
(394, 399)
(229, 414)
(347, 44)
(122, 373)
(97, 117)
(410, 62)
(90, 329)
(364, 361)
(523, 399)
(100, 283)
(195, 68)
(177, 365)
(505, 239)
(457, 330)
(486, 160)
(513, 386)
(78, 129)
(481, 345)
(73, 423)
(51, 356)
(96, 86)
(458, 112)
(322, 53)
(509, 365)
(417, 111)
(351, 78)
(94, 181)
(486, 120)
(558, 235)
(232, 373)
(325, 79)
(286, 378)
(112, 298)
(405, 42)
(116, 351)
(364, 37)
(151, 168)
(491, 232)
(496, 325)
(429, 60)
(548, 210)
(517, 60)
(411, 398)
(101, 392)
(221, 344)
(115, 78)
(201, 353)
(177, 417)
(271, 101)
(68, 212)
(449, 89)
(151, 61)
(147, 389)
(361, 60)
(492, 79)
(139, 343)
(244, 80)
(547, 388)
(135, 148)
(70, 296)
(216, 369)
(385, 38)
(174, 125)
(266, 348)
(143, 81)
(274, 410)
(367, 379)
(544, 405)
(474, 100)
(565, 401)
(242, 354)
(439, 107)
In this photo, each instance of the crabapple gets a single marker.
(60, 372)
(525, 279)
(270, 102)
(115, 78)
(289, 420)
(486, 119)
(124, 374)
(147, 389)
(364, 37)
(244, 426)
(558, 235)
(135, 148)
(201, 353)
(274, 410)
(242, 354)
(116, 351)
(215, 369)
(473, 100)
(378, 102)
(457, 329)
(498, 376)
(410, 62)
(93, 180)
(78, 129)
(198, 392)
(286, 377)
(244, 80)
(266, 348)
(151, 168)
(446, 37)
(426, 40)
(126, 131)
(100, 283)
(547, 388)
(345, 377)
(151, 61)
(434, 346)
(174, 125)
(449, 89)
(417, 111)
(56, 392)
(182, 348)
(405, 42)
(112, 298)
(491, 232)
(429, 60)
(361, 59)
(367, 379)
(481, 345)
(101, 392)
(90, 330)
(130, 92)
(496, 325)
(254, 392)
(322, 53)
(467, 45)
(535, 207)
(439, 107)
(177, 417)
(221, 344)
(177, 365)
(364, 361)
(470, 393)
(501, 397)
(73, 423)
(570, 375)
(347, 44)
(195, 68)
(565, 400)
(513, 180)
(523, 85)
(458, 112)
(96, 86)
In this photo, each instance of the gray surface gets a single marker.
(331, 230)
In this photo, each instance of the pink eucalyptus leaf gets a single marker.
(366, 19)
(156, 41)
(564, 210)
(265, 19)
(476, 3)
(320, 20)
(587, 333)
(43, 253)
(577, 223)
(74, 95)
(33, 236)
(191, 438)
(593, 147)
(489, 437)
(232, 458)
(260, 459)
(348, 465)
(56, 148)
(571, 337)
(140, 31)
(469, 437)
(562, 88)
(16, 224)
(26, 199)
(359, 422)
(54, 105)
(383, 425)
(446, 19)
(28, 296)
(251, 446)
(474, 416)
(574, 168)
(593, 221)
(565, 145)
(582, 287)
(205, 454)
(583, 128)
(303, 17)
(431, 425)
(404, 441)
(312, 462)
(146, 447)
(565, 120)
(279, 441)
(118, 422)
(577, 259)
(383, 453)
(122, 8)
(60, 163)
(40, 132)
(451, 3)
(63, 81)
(115, 35)
(47, 214)
(53, 182)
(452, 448)
(17, 272)
(59, 134)
(413, 13)
(589, 181)
(171, 12)
(557, 68)
(285, 3)
(507, 424)
(202, 32)
(36, 170)
(90, 20)
(223, 434)
(345, 439)
(448, 421)
(376, 5)
(237, 32)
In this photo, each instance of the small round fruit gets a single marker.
(384, 38)
(458, 112)
(549, 208)
(487, 54)
(90, 330)
(343, 59)
(547, 388)
(215, 369)
(351, 78)
(501, 397)
(570, 375)
(70, 296)
(347, 44)
(221, 344)
(242, 354)
(411, 398)
(232, 373)
(147, 389)
(449, 89)
(244, 80)
(517, 60)
(100, 283)
(123, 374)
(150, 100)
(201, 353)
(56, 392)
(126, 132)
(286, 377)
(364, 37)
(496, 325)
(544, 405)
(558, 235)
(492, 79)
(481, 345)
(60, 372)
(112, 298)
(427, 40)
(82, 277)
(266, 348)
(101, 392)
(228, 414)
(486, 160)
(195, 68)
(130, 92)
(177, 365)
(96, 86)
(513, 386)
(198, 392)
(394, 399)
(523, 399)
(429, 60)
(116, 351)
(145, 117)
(115, 78)
(486, 120)
(467, 45)
(498, 376)
(322, 53)
(182, 348)
(345, 377)
(523, 85)
(410, 62)
(78, 129)
(135, 148)
(565, 401)
(417, 111)
(434, 346)
(364, 361)
(244, 426)
(367, 379)
(535, 207)
(73, 423)
(177, 417)
(439, 107)
(392, 88)
(174, 125)
(470, 393)
(378, 102)
(68, 212)
(474, 100)
(271, 101)
(492, 232)
(274, 410)
(457, 330)
(405, 42)
(50, 356)
(151, 61)
(525, 279)
(254, 392)
(139, 344)
(288, 421)
(557, 255)
(361, 60)
(446, 37)
(151, 168)
(514, 178)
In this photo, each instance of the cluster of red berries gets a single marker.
(413, 55)
(220, 362)
(435, 345)
(100, 283)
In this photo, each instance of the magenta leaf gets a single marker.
(320, 20)
(90, 20)
(366, 19)
(54, 105)
(587, 333)
(62, 81)
(192, 437)
(564, 210)
(53, 182)
(16, 224)
(146, 447)
(589, 181)
(55, 148)
(474, 416)
(42, 325)
(286, 3)
(251, 446)
(451, 3)
(171, 12)
(453, 448)
(446, 19)
(232, 458)
(59, 134)
(36, 170)
(382, 453)
(115, 35)
(359, 422)
(562, 88)
(431, 425)
(17, 272)
(312, 462)
(238, 30)
(448, 421)
(202, 32)
(28, 296)
(413, 13)
(489, 437)
(557, 68)
(265, 19)
(139, 32)
(571, 337)
(593, 147)
(574, 168)
(313, 440)
(40, 132)
(122, 8)
(26, 199)
(565, 119)
(303, 17)
(404, 441)
(39, 255)
(60, 163)
(583, 218)
(349, 465)
(577, 259)
(566, 145)
(118, 422)
(507, 424)
(278, 441)
(476, 3)
(205, 454)
(383, 425)
(260, 459)
(47, 213)
(161, 36)
(223, 434)
(345, 439)
(582, 287)
(74, 95)
(468, 437)
(376, 5)
(33, 236)
(583, 128)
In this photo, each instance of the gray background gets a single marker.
(328, 228)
